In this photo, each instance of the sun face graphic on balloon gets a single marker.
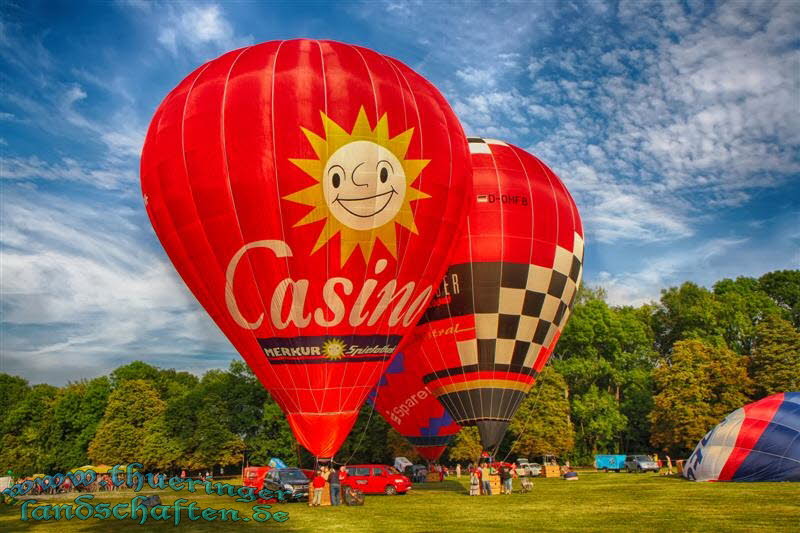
(363, 185)
(333, 349)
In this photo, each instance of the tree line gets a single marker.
(653, 378)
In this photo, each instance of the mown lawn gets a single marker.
(598, 502)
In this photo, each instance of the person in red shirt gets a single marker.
(336, 480)
(318, 483)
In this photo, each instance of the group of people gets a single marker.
(480, 482)
(103, 482)
(333, 478)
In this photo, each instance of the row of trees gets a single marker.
(624, 379)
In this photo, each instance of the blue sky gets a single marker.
(675, 125)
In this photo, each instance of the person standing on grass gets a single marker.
(474, 483)
(487, 485)
(458, 470)
(318, 483)
(505, 478)
(336, 486)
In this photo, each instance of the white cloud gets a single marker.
(644, 285)
(87, 278)
(772, 244)
(203, 30)
(103, 176)
(685, 107)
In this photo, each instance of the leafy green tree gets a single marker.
(400, 447)
(542, 424)
(12, 390)
(367, 440)
(775, 363)
(134, 413)
(608, 352)
(136, 370)
(273, 438)
(169, 383)
(201, 420)
(466, 445)
(598, 419)
(783, 286)
(213, 442)
(77, 411)
(245, 397)
(686, 312)
(635, 405)
(26, 425)
(742, 306)
(697, 386)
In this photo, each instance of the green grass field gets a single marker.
(598, 502)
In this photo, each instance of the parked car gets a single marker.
(609, 462)
(253, 476)
(292, 480)
(401, 463)
(523, 465)
(377, 479)
(640, 463)
(416, 473)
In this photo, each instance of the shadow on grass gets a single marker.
(441, 486)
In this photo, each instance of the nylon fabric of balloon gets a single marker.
(508, 292)
(410, 407)
(757, 442)
(308, 192)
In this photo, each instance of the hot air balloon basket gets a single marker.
(326, 496)
(495, 484)
(551, 471)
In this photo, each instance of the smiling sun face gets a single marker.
(333, 349)
(363, 185)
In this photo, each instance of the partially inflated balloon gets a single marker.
(307, 192)
(410, 407)
(508, 292)
(757, 442)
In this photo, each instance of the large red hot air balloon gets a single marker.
(308, 192)
(410, 407)
(508, 291)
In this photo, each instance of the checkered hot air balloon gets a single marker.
(508, 292)
(757, 442)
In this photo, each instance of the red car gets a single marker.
(376, 479)
(253, 476)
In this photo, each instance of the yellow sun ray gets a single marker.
(336, 137)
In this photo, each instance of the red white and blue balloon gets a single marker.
(757, 442)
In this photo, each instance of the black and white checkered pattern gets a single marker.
(479, 145)
(512, 324)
